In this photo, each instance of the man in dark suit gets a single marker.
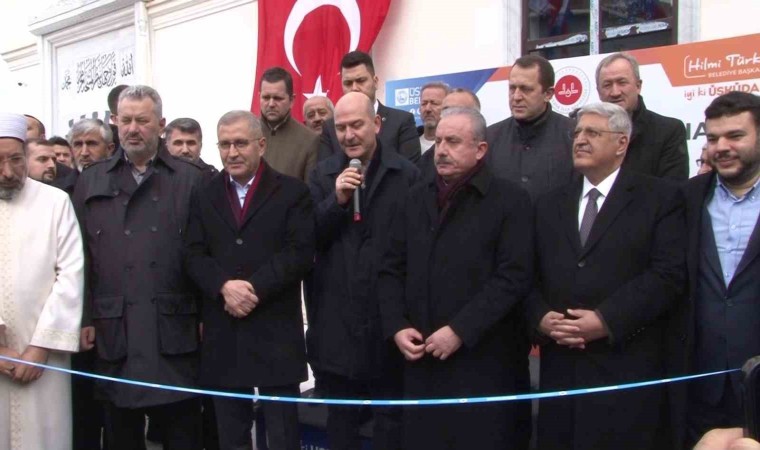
(459, 261)
(605, 288)
(397, 129)
(532, 147)
(722, 324)
(345, 341)
(250, 240)
(658, 143)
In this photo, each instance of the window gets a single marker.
(567, 28)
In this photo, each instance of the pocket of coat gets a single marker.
(177, 323)
(110, 332)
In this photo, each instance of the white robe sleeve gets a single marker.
(59, 322)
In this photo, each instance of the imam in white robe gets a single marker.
(41, 295)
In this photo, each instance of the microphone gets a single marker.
(356, 164)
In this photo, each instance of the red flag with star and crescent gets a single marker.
(308, 38)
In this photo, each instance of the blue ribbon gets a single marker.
(420, 402)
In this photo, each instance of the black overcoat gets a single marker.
(142, 304)
(658, 145)
(344, 334)
(272, 249)
(632, 270)
(468, 270)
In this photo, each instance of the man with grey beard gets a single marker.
(41, 274)
(141, 307)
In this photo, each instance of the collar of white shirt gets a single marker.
(377, 105)
(603, 187)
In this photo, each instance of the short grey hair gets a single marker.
(330, 105)
(237, 115)
(85, 126)
(139, 92)
(436, 85)
(477, 120)
(617, 117)
(614, 57)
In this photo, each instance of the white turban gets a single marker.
(12, 126)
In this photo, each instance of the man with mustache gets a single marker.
(142, 309)
(431, 104)
(459, 261)
(291, 147)
(40, 160)
(42, 279)
(721, 327)
(317, 110)
(658, 143)
(91, 141)
(610, 265)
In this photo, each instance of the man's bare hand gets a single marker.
(87, 339)
(409, 341)
(8, 367)
(583, 326)
(443, 343)
(345, 185)
(239, 298)
(25, 373)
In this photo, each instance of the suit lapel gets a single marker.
(220, 199)
(711, 248)
(568, 213)
(267, 186)
(619, 197)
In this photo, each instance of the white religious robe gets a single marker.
(41, 296)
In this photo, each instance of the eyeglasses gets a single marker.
(239, 144)
(591, 132)
(699, 162)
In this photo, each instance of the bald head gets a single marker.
(461, 98)
(357, 125)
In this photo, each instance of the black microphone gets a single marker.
(356, 164)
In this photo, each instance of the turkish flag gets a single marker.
(308, 38)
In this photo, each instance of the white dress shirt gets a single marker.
(603, 187)
(241, 189)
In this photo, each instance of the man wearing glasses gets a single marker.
(610, 266)
(250, 241)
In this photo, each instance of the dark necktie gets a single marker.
(589, 215)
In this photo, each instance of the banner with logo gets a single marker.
(677, 81)
(308, 38)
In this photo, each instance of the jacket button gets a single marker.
(239, 241)
(525, 179)
(582, 263)
(729, 303)
(125, 202)
(128, 268)
(155, 198)
(154, 229)
(152, 264)
(127, 232)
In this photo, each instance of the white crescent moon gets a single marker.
(349, 9)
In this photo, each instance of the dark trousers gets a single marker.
(343, 422)
(86, 411)
(234, 418)
(703, 417)
(180, 425)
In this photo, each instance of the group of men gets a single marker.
(431, 260)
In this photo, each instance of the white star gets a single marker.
(317, 90)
